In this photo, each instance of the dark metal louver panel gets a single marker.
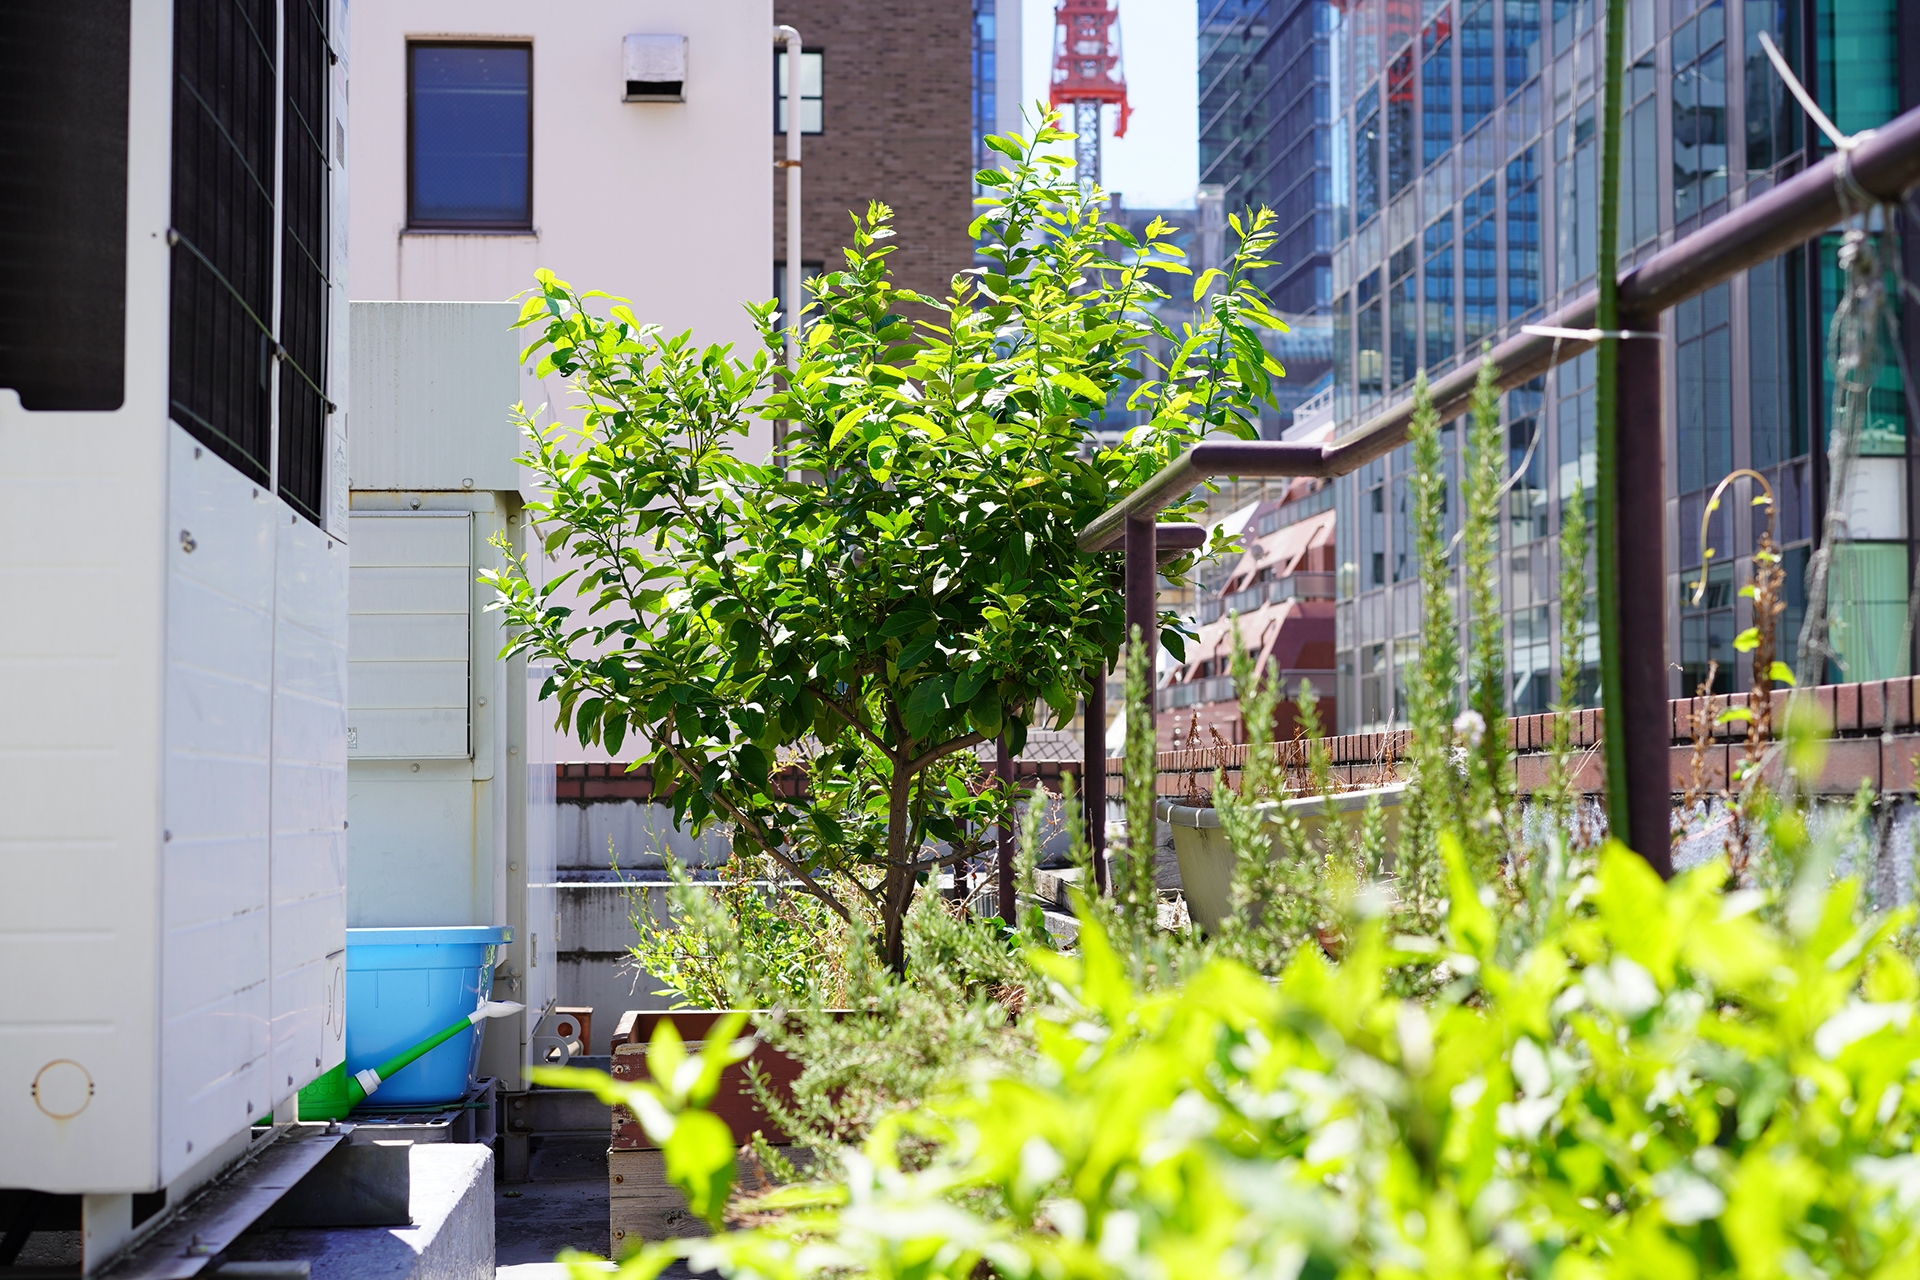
(304, 259)
(221, 345)
(63, 202)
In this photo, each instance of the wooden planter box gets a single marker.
(641, 1203)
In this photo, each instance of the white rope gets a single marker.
(1846, 142)
(1585, 335)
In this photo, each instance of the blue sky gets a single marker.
(1156, 165)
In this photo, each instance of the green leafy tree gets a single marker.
(809, 648)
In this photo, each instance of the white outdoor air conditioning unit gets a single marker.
(173, 497)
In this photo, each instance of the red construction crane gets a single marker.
(1087, 73)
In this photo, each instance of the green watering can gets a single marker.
(336, 1093)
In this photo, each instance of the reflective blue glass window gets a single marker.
(1476, 67)
(1523, 42)
(470, 135)
(1436, 94)
(1479, 254)
(1439, 293)
(1523, 234)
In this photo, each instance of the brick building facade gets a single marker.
(896, 104)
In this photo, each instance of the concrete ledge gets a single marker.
(451, 1239)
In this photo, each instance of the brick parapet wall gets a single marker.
(1875, 739)
(615, 783)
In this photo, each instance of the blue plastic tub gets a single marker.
(405, 984)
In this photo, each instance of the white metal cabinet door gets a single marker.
(410, 594)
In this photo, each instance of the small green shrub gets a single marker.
(748, 940)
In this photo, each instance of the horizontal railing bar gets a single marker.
(1206, 459)
(1885, 164)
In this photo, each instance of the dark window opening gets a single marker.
(63, 204)
(812, 83)
(221, 350)
(470, 136)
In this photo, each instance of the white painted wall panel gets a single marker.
(413, 852)
(417, 636)
(309, 861)
(433, 383)
(214, 953)
(136, 932)
(406, 539)
(410, 635)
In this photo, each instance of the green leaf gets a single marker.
(753, 765)
(917, 652)
(1731, 714)
(614, 731)
(1747, 641)
(969, 682)
(927, 700)
(985, 713)
(699, 1160)
(1781, 673)
(848, 421)
(905, 621)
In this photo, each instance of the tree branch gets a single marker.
(748, 823)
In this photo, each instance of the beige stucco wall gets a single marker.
(667, 204)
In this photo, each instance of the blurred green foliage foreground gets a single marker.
(1670, 1081)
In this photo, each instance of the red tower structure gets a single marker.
(1087, 73)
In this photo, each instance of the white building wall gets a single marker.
(667, 204)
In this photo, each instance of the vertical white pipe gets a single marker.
(790, 304)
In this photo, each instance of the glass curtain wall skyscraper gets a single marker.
(1465, 186)
(1265, 96)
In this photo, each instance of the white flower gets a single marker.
(1470, 725)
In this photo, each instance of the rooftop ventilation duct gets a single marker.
(656, 69)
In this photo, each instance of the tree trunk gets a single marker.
(897, 889)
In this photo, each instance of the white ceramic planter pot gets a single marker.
(1206, 860)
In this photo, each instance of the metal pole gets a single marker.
(1640, 490)
(1003, 772)
(1093, 776)
(1143, 600)
(790, 304)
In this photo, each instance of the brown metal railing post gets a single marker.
(1093, 776)
(1643, 597)
(1143, 596)
(1003, 772)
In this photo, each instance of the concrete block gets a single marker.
(358, 1184)
(451, 1237)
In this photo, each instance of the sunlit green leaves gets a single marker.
(1668, 1083)
(904, 581)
